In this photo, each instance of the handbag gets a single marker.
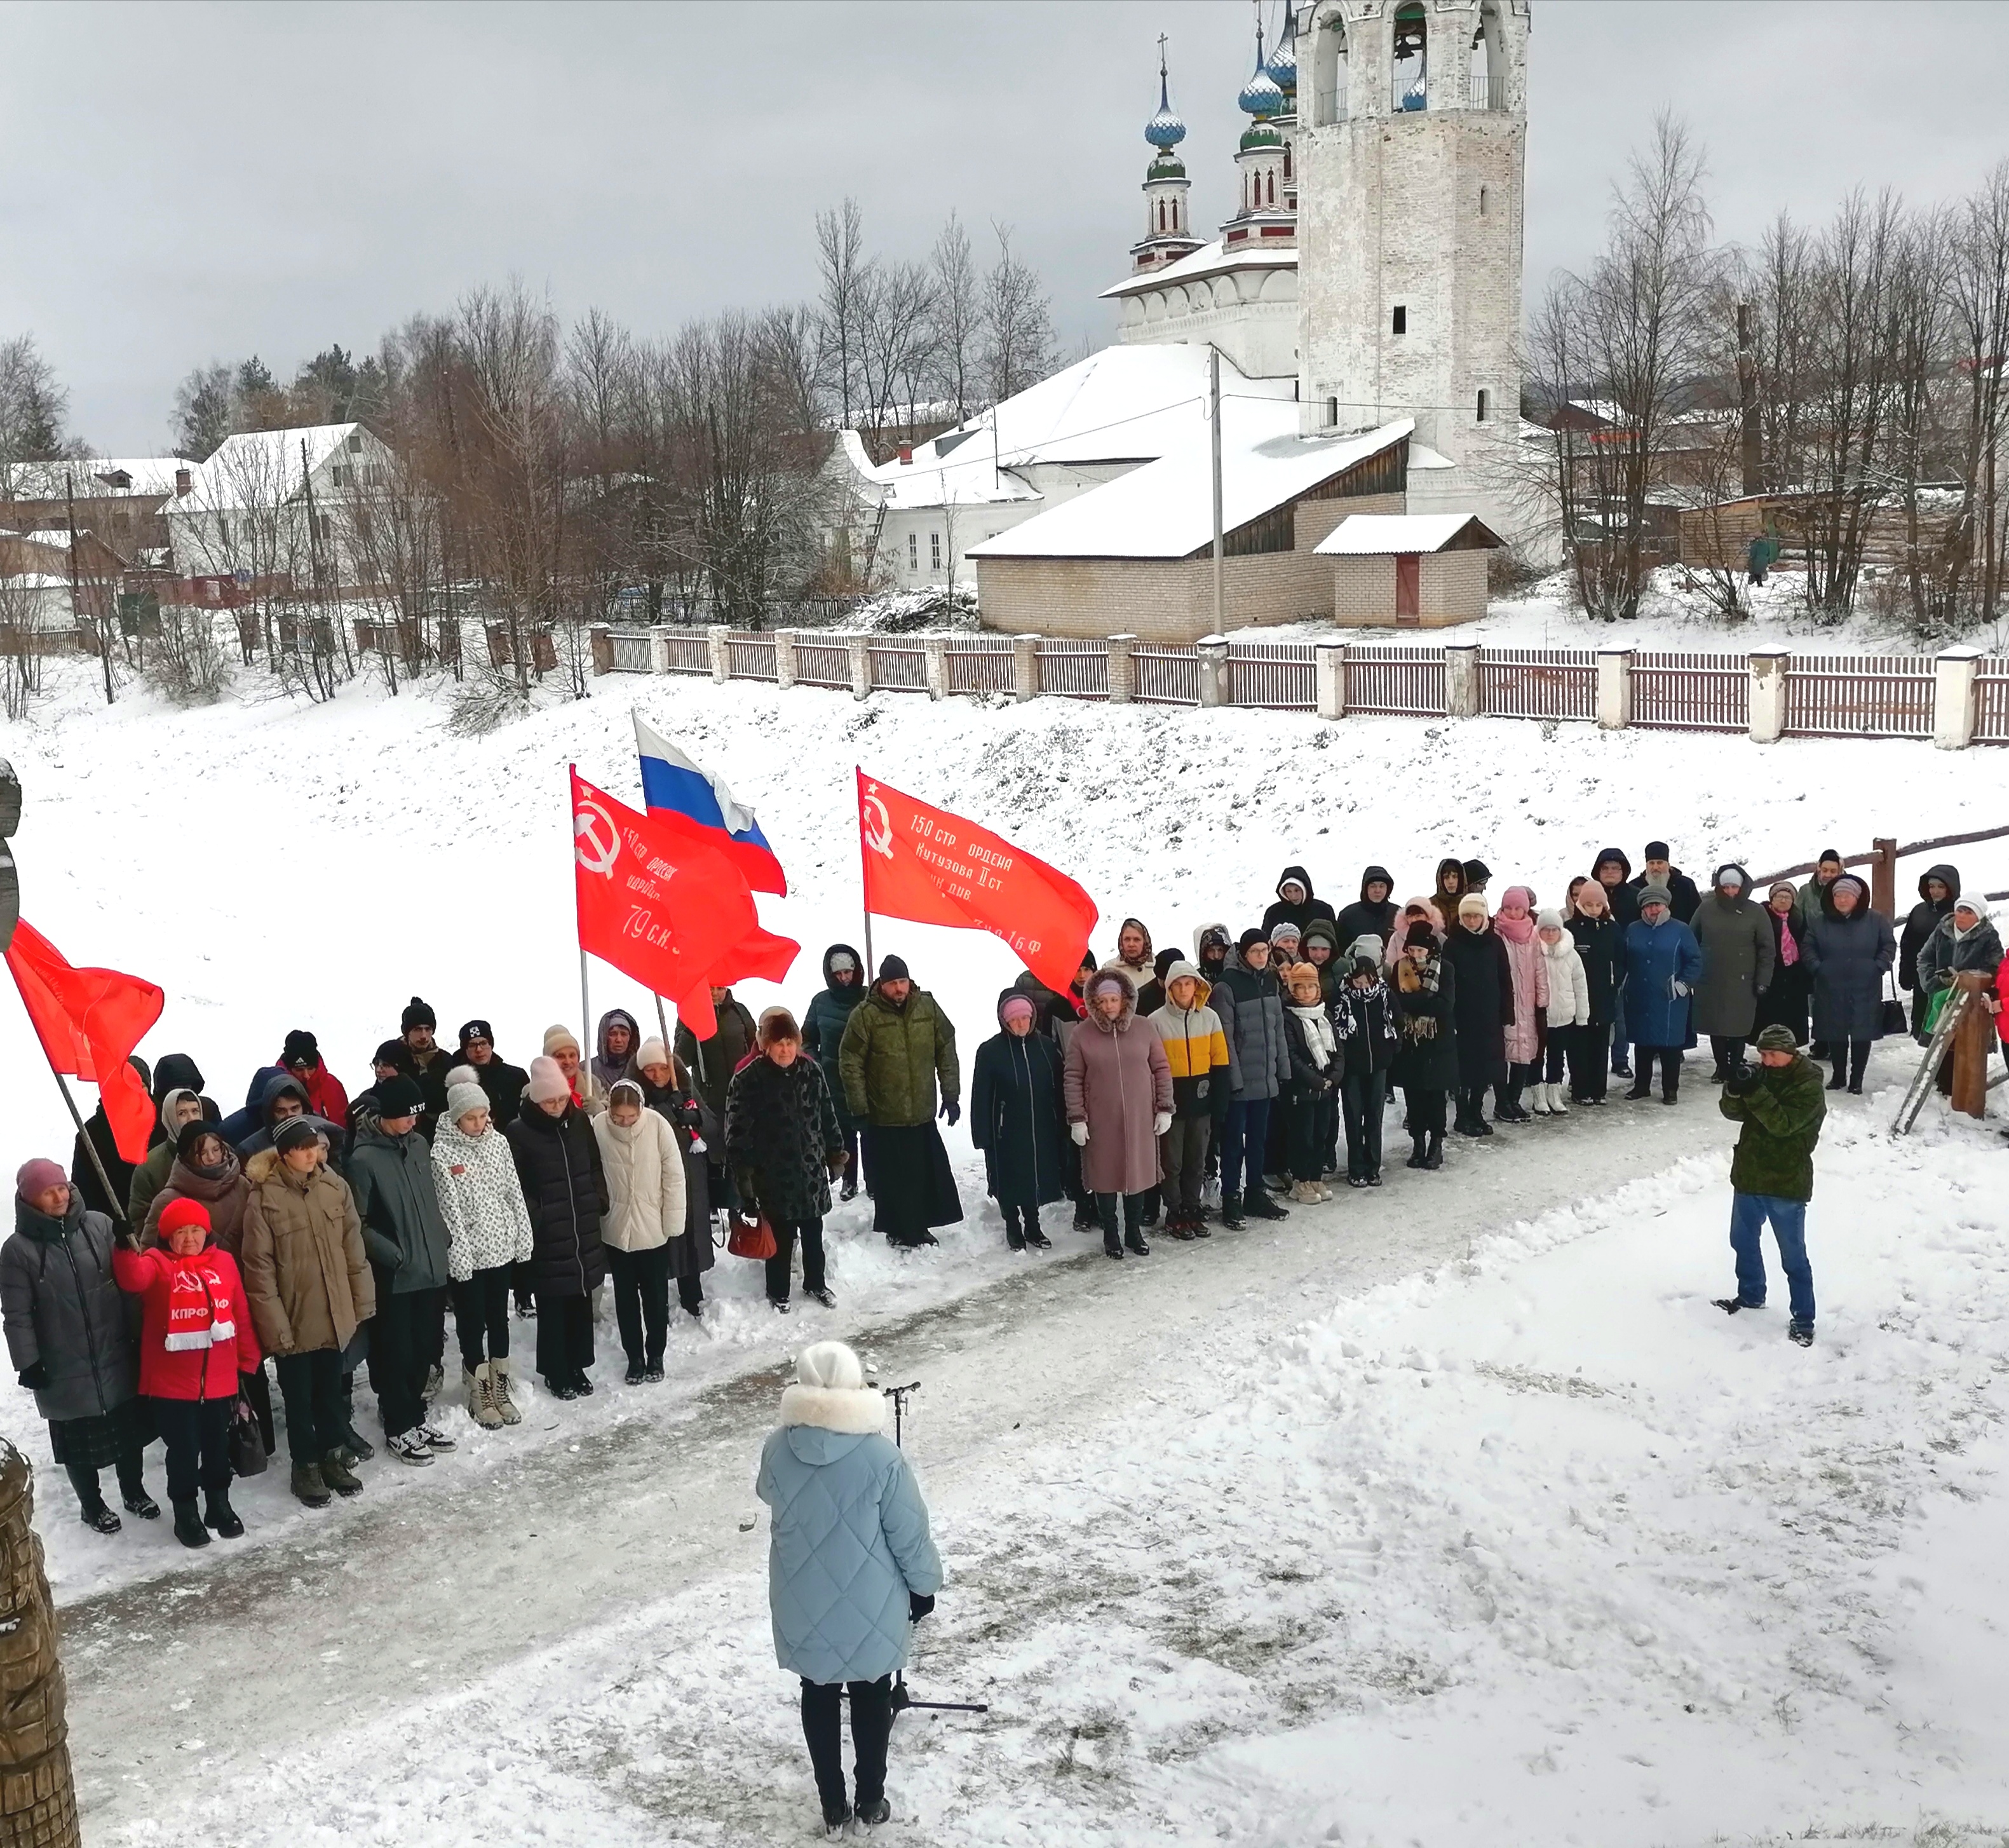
(756, 1241)
(1895, 1024)
(246, 1446)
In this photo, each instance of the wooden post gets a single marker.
(1970, 1048)
(1884, 876)
(37, 1795)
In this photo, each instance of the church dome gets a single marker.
(1164, 130)
(1165, 166)
(1261, 96)
(1260, 134)
(1283, 62)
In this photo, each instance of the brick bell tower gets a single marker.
(1412, 157)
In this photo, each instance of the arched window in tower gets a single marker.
(1273, 185)
(1485, 406)
(1488, 78)
(1329, 70)
(1482, 202)
(1287, 163)
(1410, 58)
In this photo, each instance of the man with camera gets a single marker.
(1780, 1104)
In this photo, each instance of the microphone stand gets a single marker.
(902, 1699)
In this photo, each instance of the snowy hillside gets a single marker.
(1455, 1515)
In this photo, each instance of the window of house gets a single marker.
(1400, 323)
(934, 550)
(1332, 413)
(913, 551)
(327, 524)
(1485, 404)
(356, 442)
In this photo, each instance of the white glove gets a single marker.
(1079, 1132)
(1161, 1122)
(1681, 990)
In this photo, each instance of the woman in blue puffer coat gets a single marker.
(850, 1568)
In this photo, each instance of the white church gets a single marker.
(1364, 299)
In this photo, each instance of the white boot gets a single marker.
(498, 1393)
(1559, 1100)
(1538, 1099)
(480, 1385)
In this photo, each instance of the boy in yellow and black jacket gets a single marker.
(1197, 1049)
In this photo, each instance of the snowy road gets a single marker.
(400, 1603)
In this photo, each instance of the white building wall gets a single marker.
(1251, 315)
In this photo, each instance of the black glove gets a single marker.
(953, 1111)
(918, 1605)
(35, 1376)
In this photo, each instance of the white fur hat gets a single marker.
(1549, 918)
(830, 1363)
(829, 1393)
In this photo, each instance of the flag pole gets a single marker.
(585, 1006)
(871, 967)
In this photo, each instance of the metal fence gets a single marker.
(823, 664)
(687, 653)
(1857, 696)
(1405, 682)
(1278, 675)
(750, 658)
(1690, 693)
(1538, 682)
(1168, 676)
(1076, 670)
(1991, 700)
(979, 663)
(898, 670)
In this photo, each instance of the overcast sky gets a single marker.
(184, 182)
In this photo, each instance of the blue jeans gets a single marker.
(1747, 1215)
(1246, 1137)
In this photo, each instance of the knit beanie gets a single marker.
(296, 1132)
(547, 1082)
(1775, 1038)
(301, 1049)
(399, 1097)
(1549, 919)
(1015, 1007)
(893, 969)
(392, 1052)
(1420, 932)
(416, 1014)
(1366, 945)
(476, 1029)
(1286, 932)
(1477, 872)
(38, 1175)
(189, 1133)
(1473, 904)
(461, 1098)
(1969, 906)
(461, 1074)
(652, 1052)
(1655, 895)
(1249, 938)
(556, 1037)
(1107, 980)
(179, 1214)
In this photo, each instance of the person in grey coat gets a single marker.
(1737, 957)
(72, 1336)
(1250, 1003)
(1849, 951)
(851, 1569)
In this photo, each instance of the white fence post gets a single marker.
(1614, 688)
(1329, 669)
(1212, 652)
(1768, 695)
(1122, 669)
(715, 636)
(1954, 672)
(785, 658)
(602, 637)
(934, 664)
(1025, 667)
(860, 648)
(1461, 679)
(659, 649)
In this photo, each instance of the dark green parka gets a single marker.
(890, 1058)
(1781, 1109)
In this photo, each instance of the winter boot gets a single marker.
(481, 1386)
(1015, 1237)
(1134, 1240)
(1507, 1109)
(308, 1486)
(141, 1504)
(498, 1384)
(189, 1529)
(1435, 1157)
(1802, 1333)
(1538, 1099)
(99, 1518)
(1418, 1148)
(1231, 1212)
(1257, 1204)
(435, 1379)
(335, 1472)
(1112, 1239)
(217, 1512)
(1303, 1194)
(1084, 1217)
(1558, 1101)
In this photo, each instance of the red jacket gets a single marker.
(325, 1097)
(196, 1334)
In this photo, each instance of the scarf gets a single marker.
(1789, 950)
(1319, 1040)
(1515, 930)
(1346, 1022)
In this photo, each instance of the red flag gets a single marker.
(761, 953)
(89, 1020)
(934, 867)
(661, 907)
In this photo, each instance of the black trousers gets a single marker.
(1132, 1206)
(197, 1432)
(1727, 1050)
(400, 1352)
(782, 1264)
(871, 1730)
(1589, 1069)
(1425, 1107)
(1363, 1097)
(1852, 1058)
(1670, 1058)
(481, 1315)
(317, 1411)
(564, 1338)
(690, 1293)
(642, 1302)
(132, 1478)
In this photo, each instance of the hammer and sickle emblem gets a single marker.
(877, 825)
(595, 839)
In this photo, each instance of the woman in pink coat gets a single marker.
(1119, 1102)
(1516, 925)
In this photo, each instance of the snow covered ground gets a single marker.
(1456, 1515)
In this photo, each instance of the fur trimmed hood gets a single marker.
(845, 1411)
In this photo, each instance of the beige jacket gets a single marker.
(645, 1176)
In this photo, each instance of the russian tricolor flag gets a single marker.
(678, 792)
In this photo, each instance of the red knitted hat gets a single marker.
(179, 1213)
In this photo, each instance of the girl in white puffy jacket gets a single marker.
(1569, 1009)
(488, 1234)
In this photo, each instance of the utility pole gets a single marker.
(1214, 421)
(1751, 454)
(76, 606)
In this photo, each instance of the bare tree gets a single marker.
(956, 310)
(1978, 285)
(1018, 336)
(844, 267)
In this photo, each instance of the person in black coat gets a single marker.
(1784, 1002)
(501, 1083)
(1294, 903)
(1485, 1011)
(84, 1174)
(1017, 1116)
(1684, 897)
(1374, 913)
(784, 1146)
(1426, 1062)
(1848, 954)
(1364, 1017)
(823, 1022)
(1938, 888)
(1601, 947)
(564, 1186)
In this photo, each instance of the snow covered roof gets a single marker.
(259, 468)
(97, 476)
(1165, 510)
(1123, 404)
(1364, 535)
(1209, 259)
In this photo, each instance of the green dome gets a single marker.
(1167, 166)
(1260, 134)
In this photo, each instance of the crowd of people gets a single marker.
(1161, 1090)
